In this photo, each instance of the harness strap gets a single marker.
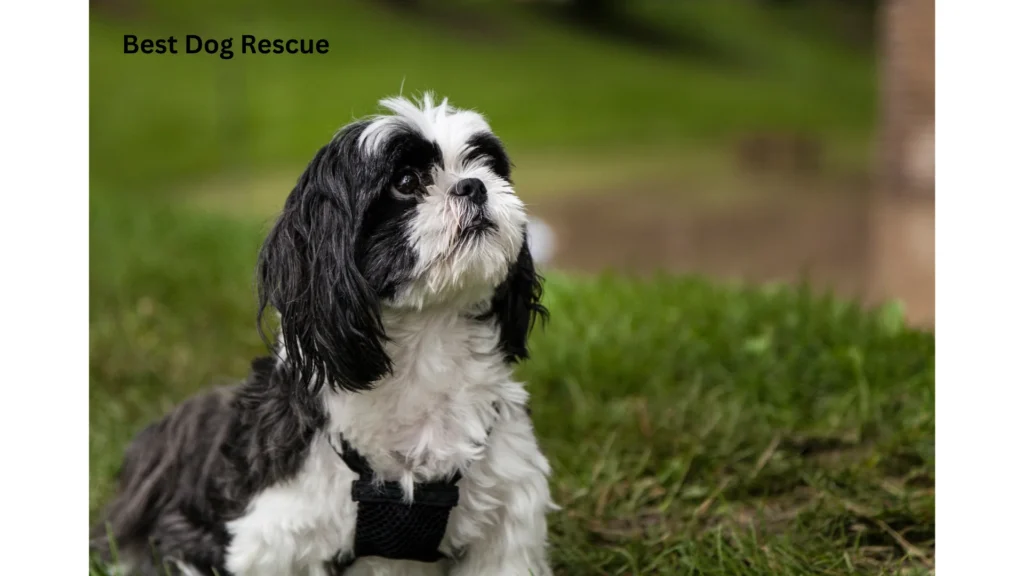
(443, 493)
(390, 527)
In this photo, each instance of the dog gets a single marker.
(386, 433)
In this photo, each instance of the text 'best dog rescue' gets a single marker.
(195, 44)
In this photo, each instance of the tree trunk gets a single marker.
(903, 207)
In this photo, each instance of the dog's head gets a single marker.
(410, 210)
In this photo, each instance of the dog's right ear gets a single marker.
(517, 305)
(331, 324)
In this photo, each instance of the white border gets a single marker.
(44, 287)
(980, 292)
(979, 287)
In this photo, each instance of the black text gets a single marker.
(250, 45)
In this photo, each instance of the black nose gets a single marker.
(473, 188)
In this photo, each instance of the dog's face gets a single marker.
(442, 205)
(410, 210)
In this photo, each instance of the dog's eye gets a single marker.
(407, 185)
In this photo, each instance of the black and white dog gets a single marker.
(387, 435)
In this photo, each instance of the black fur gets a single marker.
(488, 146)
(386, 256)
(516, 306)
(307, 271)
(189, 474)
(273, 427)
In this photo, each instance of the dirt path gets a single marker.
(818, 235)
(757, 241)
(807, 230)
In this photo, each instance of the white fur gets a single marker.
(297, 525)
(448, 126)
(453, 273)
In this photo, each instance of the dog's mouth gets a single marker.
(474, 224)
(476, 227)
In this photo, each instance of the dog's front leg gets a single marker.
(504, 555)
(505, 506)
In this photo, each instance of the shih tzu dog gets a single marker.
(386, 435)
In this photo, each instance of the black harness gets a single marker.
(389, 527)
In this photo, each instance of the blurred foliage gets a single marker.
(725, 68)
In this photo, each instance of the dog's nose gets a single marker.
(472, 188)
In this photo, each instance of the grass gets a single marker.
(694, 428)
(710, 430)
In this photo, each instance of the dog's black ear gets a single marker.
(516, 306)
(331, 324)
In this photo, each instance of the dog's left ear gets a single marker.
(516, 306)
(331, 326)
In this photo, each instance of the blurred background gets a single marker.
(759, 140)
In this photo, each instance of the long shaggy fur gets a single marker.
(403, 306)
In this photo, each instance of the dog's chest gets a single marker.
(433, 413)
(431, 417)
